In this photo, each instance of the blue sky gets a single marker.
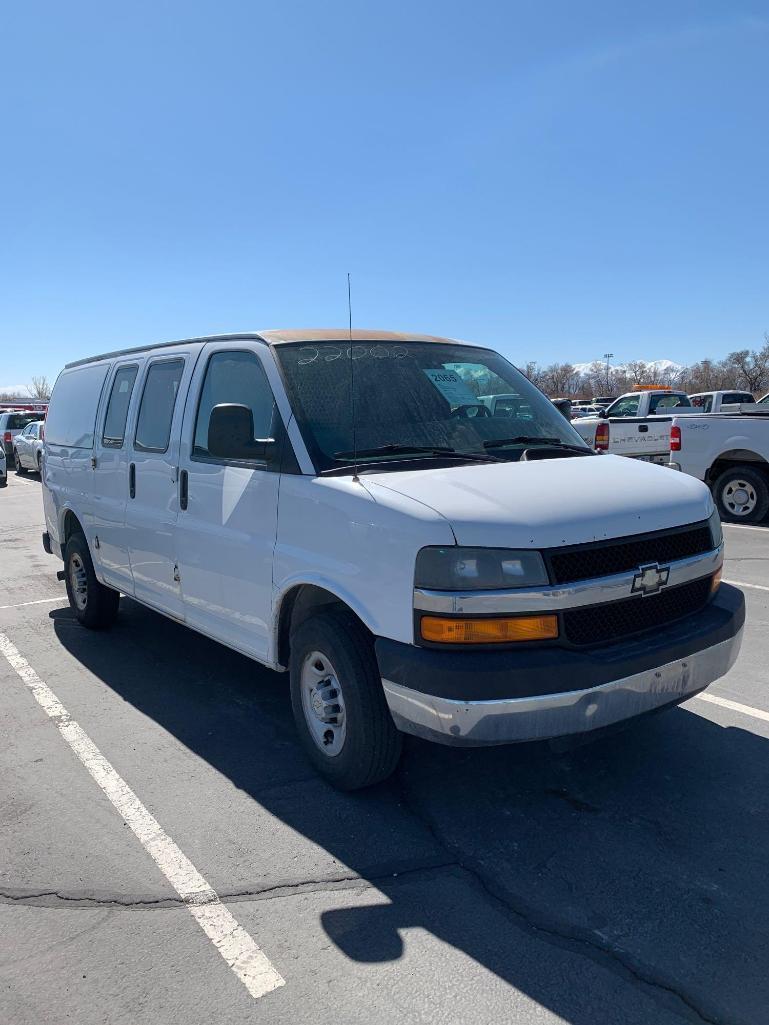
(554, 179)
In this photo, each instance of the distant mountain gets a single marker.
(661, 366)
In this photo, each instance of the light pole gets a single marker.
(607, 356)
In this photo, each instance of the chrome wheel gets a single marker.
(78, 579)
(323, 704)
(739, 497)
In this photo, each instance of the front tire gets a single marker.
(94, 605)
(742, 495)
(339, 706)
(20, 470)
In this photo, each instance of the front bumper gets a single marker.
(499, 697)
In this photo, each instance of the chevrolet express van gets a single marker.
(346, 509)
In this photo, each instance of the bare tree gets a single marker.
(40, 388)
(752, 366)
(560, 379)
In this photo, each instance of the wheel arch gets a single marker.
(298, 602)
(737, 457)
(69, 524)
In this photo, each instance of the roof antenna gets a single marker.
(352, 386)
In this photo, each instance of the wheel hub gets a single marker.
(78, 581)
(740, 497)
(323, 703)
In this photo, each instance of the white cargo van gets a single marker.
(350, 511)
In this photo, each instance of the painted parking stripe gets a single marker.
(742, 583)
(235, 945)
(38, 601)
(734, 706)
(744, 526)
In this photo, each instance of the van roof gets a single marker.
(282, 336)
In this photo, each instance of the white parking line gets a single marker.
(744, 526)
(38, 601)
(742, 583)
(235, 945)
(735, 706)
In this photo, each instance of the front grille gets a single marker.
(600, 624)
(602, 558)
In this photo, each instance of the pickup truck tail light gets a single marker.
(675, 438)
(7, 437)
(602, 438)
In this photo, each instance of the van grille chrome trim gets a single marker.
(568, 596)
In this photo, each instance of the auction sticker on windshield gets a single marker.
(452, 387)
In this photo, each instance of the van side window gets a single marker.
(235, 377)
(153, 428)
(117, 407)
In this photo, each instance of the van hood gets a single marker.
(550, 502)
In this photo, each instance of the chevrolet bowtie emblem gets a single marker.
(650, 579)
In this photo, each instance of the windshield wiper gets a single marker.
(430, 450)
(535, 439)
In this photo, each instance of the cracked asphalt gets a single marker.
(621, 882)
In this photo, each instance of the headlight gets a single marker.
(478, 569)
(714, 525)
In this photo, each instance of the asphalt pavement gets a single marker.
(621, 882)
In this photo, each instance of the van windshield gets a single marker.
(415, 400)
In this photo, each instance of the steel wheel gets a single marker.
(739, 497)
(78, 579)
(323, 703)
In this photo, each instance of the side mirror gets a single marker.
(231, 434)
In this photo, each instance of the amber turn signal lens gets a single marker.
(715, 580)
(488, 631)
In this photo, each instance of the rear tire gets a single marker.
(94, 605)
(339, 706)
(20, 470)
(742, 495)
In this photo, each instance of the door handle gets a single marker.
(183, 489)
(132, 480)
(643, 428)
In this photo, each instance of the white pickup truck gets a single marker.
(635, 425)
(730, 452)
(715, 401)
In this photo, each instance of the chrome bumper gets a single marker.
(557, 715)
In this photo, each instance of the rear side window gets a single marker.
(17, 421)
(71, 420)
(153, 428)
(668, 402)
(234, 377)
(117, 407)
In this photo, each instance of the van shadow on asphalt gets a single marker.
(646, 851)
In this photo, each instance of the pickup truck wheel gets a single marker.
(20, 470)
(339, 706)
(742, 494)
(94, 605)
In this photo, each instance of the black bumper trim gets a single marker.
(47, 543)
(531, 671)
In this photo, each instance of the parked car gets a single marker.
(634, 425)
(730, 452)
(587, 411)
(764, 400)
(414, 564)
(713, 401)
(3, 467)
(11, 424)
(28, 447)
